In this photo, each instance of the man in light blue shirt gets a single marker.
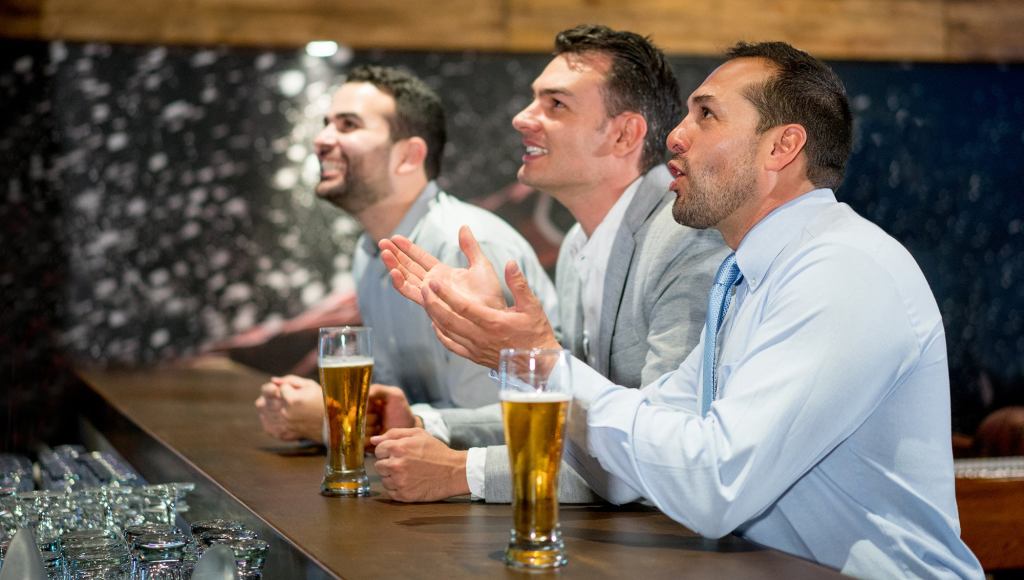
(380, 151)
(820, 425)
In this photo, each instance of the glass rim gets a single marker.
(532, 351)
(345, 328)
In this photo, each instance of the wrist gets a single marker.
(459, 479)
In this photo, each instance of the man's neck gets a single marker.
(381, 219)
(736, 226)
(590, 207)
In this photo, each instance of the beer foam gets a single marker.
(534, 397)
(335, 362)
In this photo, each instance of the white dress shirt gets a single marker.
(830, 437)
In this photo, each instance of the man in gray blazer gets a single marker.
(631, 282)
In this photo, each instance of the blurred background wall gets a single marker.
(156, 165)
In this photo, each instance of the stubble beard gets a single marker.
(710, 196)
(358, 190)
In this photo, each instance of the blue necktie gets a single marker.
(718, 304)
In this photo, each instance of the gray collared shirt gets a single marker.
(406, 351)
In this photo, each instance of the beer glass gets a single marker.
(346, 363)
(535, 394)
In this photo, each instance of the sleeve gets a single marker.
(830, 343)
(572, 488)
(478, 427)
(433, 422)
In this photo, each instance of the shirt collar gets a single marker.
(608, 228)
(419, 208)
(766, 240)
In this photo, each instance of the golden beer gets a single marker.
(534, 433)
(346, 385)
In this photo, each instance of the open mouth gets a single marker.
(534, 151)
(677, 167)
(330, 168)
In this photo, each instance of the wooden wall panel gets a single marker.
(383, 23)
(21, 18)
(861, 29)
(930, 30)
(989, 31)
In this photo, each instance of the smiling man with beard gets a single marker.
(380, 151)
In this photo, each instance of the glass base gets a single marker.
(536, 555)
(345, 484)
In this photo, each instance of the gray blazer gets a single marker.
(654, 304)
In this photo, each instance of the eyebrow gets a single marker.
(341, 116)
(702, 99)
(555, 91)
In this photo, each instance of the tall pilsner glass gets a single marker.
(536, 388)
(346, 363)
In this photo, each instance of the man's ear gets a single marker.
(410, 155)
(632, 128)
(787, 141)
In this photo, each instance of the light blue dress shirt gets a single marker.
(830, 436)
(405, 349)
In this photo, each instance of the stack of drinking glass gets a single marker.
(95, 517)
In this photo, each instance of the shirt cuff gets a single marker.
(476, 463)
(433, 423)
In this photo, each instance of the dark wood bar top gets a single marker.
(201, 421)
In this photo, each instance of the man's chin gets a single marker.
(329, 191)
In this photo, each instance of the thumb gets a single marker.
(523, 297)
(470, 247)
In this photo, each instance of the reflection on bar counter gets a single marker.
(92, 515)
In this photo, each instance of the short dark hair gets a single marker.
(807, 92)
(418, 109)
(640, 80)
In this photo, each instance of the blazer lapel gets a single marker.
(647, 199)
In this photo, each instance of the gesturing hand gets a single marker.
(477, 331)
(412, 268)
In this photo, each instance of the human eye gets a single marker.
(346, 124)
(556, 103)
(706, 113)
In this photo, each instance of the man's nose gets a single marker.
(677, 141)
(325, 138)
(526, 120)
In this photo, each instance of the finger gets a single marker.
(523, 297)
(381, 448)
(421, 257)
(296, 381)
(470, 247)
(454, 312)
(450, 327)
(270, 390)
(383, 468)
(409, 288)
(396, 258)
(454, 346)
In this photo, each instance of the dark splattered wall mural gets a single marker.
(159, 199)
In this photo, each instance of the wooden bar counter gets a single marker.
(198, 424)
